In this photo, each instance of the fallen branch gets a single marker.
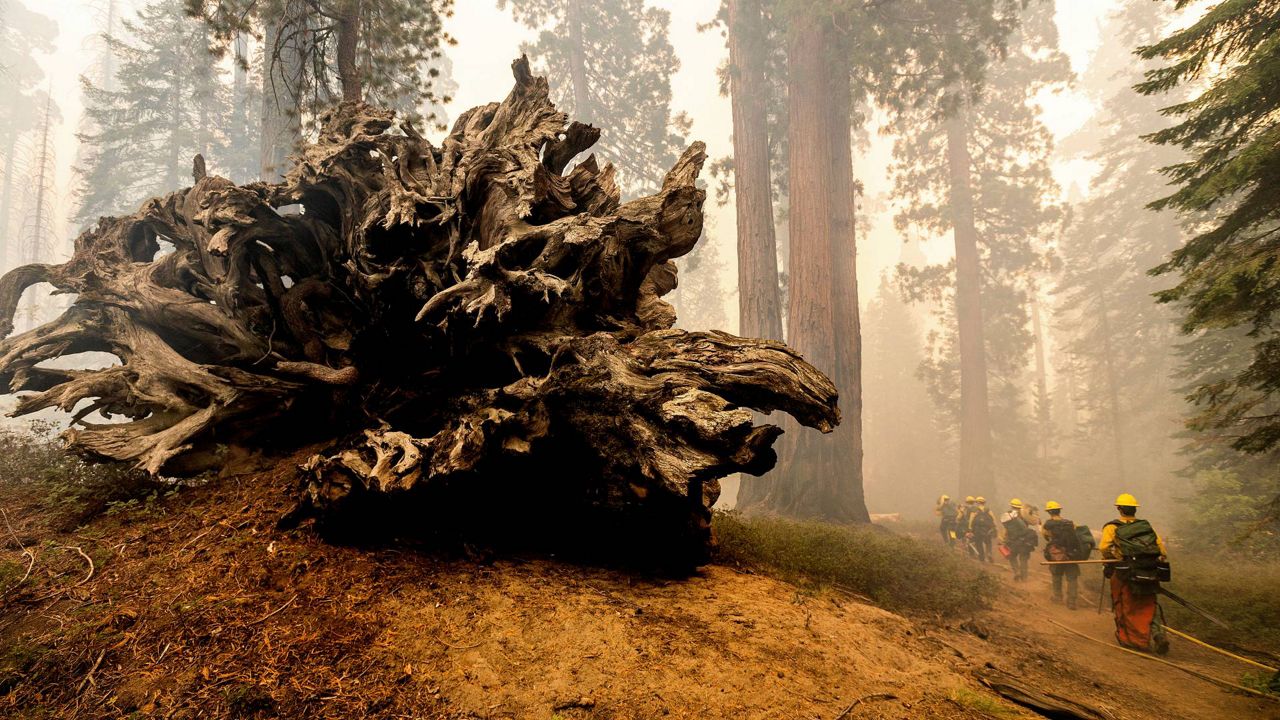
(451, 646)
(275, 612)
(86, 559)
(88, 678)
(865, 698)
(1043, 702)
(31, 558)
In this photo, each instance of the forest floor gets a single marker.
(197, 606)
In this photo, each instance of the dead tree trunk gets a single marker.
(453, 329)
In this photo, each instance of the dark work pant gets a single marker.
(983, 543)
(1072, 574)
(1018, 563)
(946, 534)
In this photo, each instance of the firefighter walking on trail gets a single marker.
(983, 526)
(946, 511)
(964, 518)
(1063, 543)
(1019, 539)
(1135, 580)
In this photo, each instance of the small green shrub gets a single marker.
(68, 489)
(897, 572)
(1240, 592)
(1232, 512)
(1263, 682)
(984, 704)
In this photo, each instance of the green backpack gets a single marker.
(1084, 543)
(1137, 540)
(1141, 550)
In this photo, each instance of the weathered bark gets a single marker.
(445, 323)
(759, 301)
(841, 496)
(975, 415)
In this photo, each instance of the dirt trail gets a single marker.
(1022, 642)
(198, 607)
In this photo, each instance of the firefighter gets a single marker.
(1062, 544)
(964, 518)
(946, 511)
(1134, 580)
(983, 526)
(1019, 538)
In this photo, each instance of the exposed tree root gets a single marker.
(454, 324)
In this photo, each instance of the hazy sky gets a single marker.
(488, 39)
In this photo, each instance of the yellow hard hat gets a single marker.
(968, 498)
(980, 499)
(1053, 505)
(1015, 503)
(945, 497)
(1127, 500)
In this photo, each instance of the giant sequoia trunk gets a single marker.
(759, 305)
(842, 498)
(759, 300)
(800, 489)
(454, 330)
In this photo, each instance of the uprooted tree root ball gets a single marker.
(455, 330)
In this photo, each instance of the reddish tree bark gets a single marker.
(808, 460)
(759, 303)
(841, 496)
(759, 300)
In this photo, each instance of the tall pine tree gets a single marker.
(1230, 270)
(1118, 343)
(974, 161)
(169, 104)
(613, 64)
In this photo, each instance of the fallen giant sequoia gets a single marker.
(458, 326)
